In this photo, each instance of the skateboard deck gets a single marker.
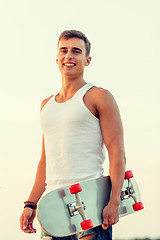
(69, 210)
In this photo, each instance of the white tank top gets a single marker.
(74, 144)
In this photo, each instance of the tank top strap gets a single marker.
(82, 91)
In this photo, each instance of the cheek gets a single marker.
(59, 62)
(82, 62)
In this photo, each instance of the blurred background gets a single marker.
(125, 53)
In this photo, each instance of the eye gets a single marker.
(63, 51)
(76, 51)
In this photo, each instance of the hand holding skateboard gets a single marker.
(110, 215)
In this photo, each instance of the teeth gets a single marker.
(69, 64)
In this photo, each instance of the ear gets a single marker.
(88, 60)
(57, 60)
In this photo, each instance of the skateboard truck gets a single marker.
(78, 207)
(129, 191)
(73, 208)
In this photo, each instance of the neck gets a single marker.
(70, 87)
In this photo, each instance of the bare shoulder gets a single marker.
(101, 92)
(45, 101)
(101, 96)
(106, 107)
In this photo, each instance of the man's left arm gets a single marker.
(112, 131)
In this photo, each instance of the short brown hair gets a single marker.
(76, 34)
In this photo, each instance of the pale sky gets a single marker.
(125, 53)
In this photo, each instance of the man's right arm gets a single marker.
(28, 214)
(39, 184)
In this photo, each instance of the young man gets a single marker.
(76, 124)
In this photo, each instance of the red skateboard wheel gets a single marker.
(87, 224)
(128, 174)
(75, 188)
(138, 206)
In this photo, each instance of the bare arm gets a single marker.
(28, 214)
(39, 184)
(112, 131)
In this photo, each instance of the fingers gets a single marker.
(109, 222)
(26, 221)
(30, 227)
(104, 226)
(27, 227)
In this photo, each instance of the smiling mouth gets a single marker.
(69, 64)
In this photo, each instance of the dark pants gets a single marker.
(99, 232)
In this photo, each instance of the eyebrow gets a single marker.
(74, 48)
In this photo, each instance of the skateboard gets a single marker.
(70, 210)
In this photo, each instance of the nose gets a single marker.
(68, 55)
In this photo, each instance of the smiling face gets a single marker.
(71, 57)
